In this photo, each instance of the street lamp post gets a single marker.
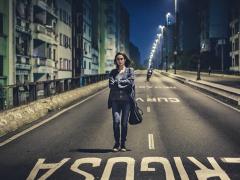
(176, 38)
(175, 62)
(199, 68)
(166, 33)
(199, 63)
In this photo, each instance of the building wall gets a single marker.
(189, 39)
(95, 37)
(4, 42)
(64, 29)
(110, 34)
(77, 36)
(87, 36)
(45, 40)
(124, 30)
(22, 40)
(214, 31)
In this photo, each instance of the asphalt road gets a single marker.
(184, 135)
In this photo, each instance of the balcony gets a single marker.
(23, 26)
(48, 6)
(235, 36)
(44, 33)
(43, 66)
(235, 68)
(23, 66)
(44, 62)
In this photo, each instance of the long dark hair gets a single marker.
(127, 62)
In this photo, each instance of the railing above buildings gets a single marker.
(16, 95)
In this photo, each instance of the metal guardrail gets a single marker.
(16, 95)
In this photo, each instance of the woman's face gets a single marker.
(120, 60)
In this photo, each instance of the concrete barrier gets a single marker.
(10, 120)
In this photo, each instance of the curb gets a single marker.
(11, 120)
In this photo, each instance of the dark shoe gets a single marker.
(123, 148)
(116, 147)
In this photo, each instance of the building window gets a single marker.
(49, 53)
(17, 79)
(54, 54)
(237, 60)
(79, 41)
(84, 28)
(60, 63)
(236, 44)
(1, 24)
(237, 27)
(60, 39)
(84, 65)
(70, 43)
(85, 46)
(1, 65)
(26, 78)
(60, 14)
(89, 65)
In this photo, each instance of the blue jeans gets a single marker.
(120, 112)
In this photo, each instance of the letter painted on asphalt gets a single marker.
(182, 172)
(140, 99)
(164, 99)
(204, 173)
(166, 165)
(231, 160)
(40, 165)
(112, 161)
(94, 161)
(151, 100)
(174, 100)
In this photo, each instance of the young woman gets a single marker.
(121, 81)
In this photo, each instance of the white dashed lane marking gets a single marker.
(151, 142)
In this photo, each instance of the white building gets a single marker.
(64, 30)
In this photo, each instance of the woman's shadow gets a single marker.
(101, 151)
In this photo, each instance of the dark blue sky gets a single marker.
(145, 16)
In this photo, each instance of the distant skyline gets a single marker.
(145, 16)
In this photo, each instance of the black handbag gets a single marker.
(136, 115)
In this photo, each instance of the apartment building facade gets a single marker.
(64, 30)
(235, 37)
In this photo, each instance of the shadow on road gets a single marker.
(94, 150)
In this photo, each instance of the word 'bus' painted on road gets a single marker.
(158, 100)
(202, 173)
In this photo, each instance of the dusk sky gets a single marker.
(145, 16)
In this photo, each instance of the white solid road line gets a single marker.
(47, 120)
(151, 142)
(148, 109)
